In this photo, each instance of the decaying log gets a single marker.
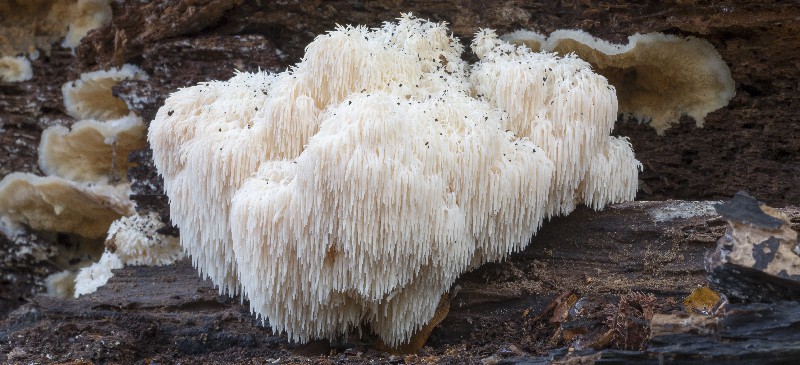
(757, 333)
(755, 261)
(169, 314)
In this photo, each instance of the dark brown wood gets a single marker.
(169, 314)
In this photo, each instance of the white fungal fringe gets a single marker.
(559, 103)
(357, 186)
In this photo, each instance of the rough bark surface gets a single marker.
(167, 314)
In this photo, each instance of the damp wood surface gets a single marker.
(168, 314)
(499, 312)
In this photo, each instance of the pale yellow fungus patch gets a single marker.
(92, 150)
(15, 69)
(55, 204)
(91, 97)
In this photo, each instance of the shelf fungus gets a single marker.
(91, 150)
(355, 187)
(31, 24)
(15, 69)
(90, 97)
(55, 204)
(658, 77)
(85, 187)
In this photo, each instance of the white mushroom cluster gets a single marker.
(355, 187)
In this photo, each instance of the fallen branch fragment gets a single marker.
(758, 258)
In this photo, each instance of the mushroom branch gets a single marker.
(355, 187)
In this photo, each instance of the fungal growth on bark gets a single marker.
(658, 77)
(31, 24)
(85, 188)
(354, 188)
(54, 204)
(15, 69)
(91, 150)
(90, 97)
(131, 241)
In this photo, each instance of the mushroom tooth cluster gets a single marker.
(214, 135)
(410, 57)
(613, 175)
(131, 240)
(206, 140)
(563, 106)
(357, 186)
(389, 192)
(136, 241)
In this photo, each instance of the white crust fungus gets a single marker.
(97, 274)
(131, 241)
(92, 150)
(15, 69)
(136, 241)
(90, 97)
(658, 77)
(357, 186)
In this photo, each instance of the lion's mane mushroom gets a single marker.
(395, 195)
(357, 186)
(658, 77)
(568, 111)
